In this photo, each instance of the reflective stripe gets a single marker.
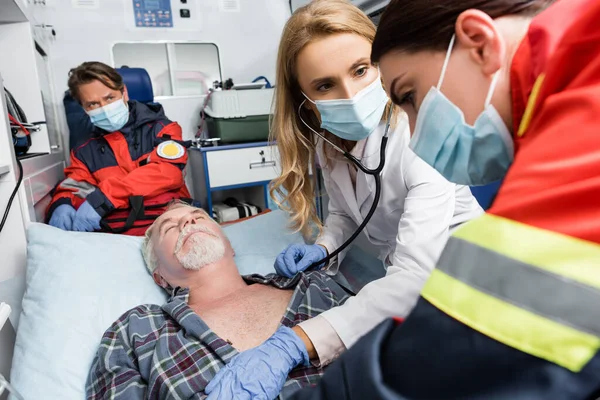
(534, 290)
(528, 114)
(509, 324)
(80, 188)
(561, 254)
(544, 293)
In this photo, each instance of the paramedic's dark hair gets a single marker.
(94, 71)
(417, 25)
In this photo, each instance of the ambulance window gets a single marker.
(175, 68)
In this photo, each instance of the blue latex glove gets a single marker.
(62, 217)
(298, 257)
(86, 218)
(259, 373)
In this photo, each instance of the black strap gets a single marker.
(137, 213)
(234, 203)
(231, 202)
(162, 205)
(104, 209)
(244, 209)
(146, 218)
(136, 204)
(165, 138)
(19, 111)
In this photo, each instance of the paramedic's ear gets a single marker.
(125, 94)
(477, 32)
(159, 280)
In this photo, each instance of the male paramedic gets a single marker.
(172, 351)
(123, 177)
(492, 89)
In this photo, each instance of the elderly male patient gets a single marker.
(213, 313)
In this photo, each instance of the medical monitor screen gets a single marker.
(152, 5)
(152, 13)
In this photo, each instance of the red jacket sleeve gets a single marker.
(77, 185)
(554, 182)
(163, 172)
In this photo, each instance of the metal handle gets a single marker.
(4, 384)
(262, 164)
(29, 127)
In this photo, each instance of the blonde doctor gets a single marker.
(327, 85)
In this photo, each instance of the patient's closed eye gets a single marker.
(165, 226)
(198, 214)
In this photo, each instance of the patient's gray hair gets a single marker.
(148, 247)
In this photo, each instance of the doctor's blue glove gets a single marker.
(62, 217)
(298, 257)
(86, 219)
(259, 373)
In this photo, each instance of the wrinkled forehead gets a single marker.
(96, 88)
(182, 209)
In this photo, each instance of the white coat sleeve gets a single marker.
(338, 225)
(422, 234)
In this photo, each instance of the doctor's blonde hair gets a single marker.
(295, 141)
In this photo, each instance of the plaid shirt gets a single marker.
(168, 352)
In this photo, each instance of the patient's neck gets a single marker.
(214, 282)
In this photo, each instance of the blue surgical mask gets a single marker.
(356, 118)
(463, 154)
(111, 117)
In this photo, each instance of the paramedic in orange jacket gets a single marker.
(135, 151)
(492, 89)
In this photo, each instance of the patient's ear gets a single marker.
(159, 280)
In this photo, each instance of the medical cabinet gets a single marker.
(239, 116)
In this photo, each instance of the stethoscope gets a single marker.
(376, 173)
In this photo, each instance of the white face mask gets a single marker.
(463, 154)
(111, 117)
(356, 118)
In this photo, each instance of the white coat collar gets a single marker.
(365, 184)
(341, 176)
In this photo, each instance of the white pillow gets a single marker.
(80, 283)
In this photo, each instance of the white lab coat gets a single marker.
(416, 212)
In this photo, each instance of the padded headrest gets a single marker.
(139, 85)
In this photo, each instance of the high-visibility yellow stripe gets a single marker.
(560, 254)
(528, 114)
(509, 324)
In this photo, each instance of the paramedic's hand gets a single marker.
(260, 373)
(298, 257)
(86, 219)
(62, 217)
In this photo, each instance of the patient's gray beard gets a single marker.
(203, 249)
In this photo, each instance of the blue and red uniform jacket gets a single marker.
(112, 167)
